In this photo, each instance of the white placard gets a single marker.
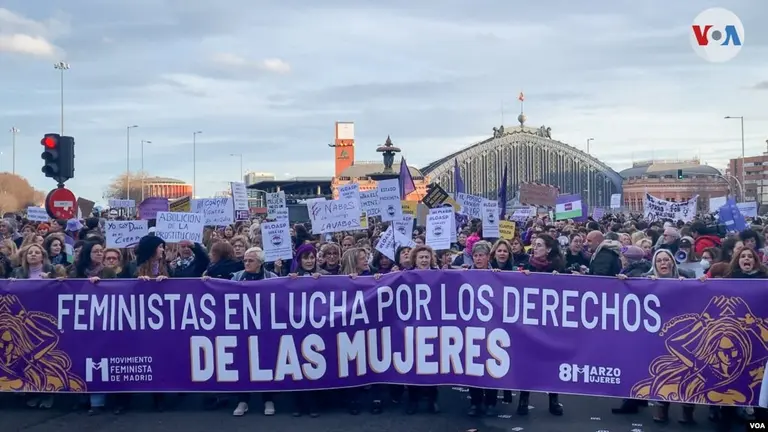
(390, 207)
(37, 214)
(334, 216)
(658, 209)
(439, 228)
(490, 219)
(275, 200)
(217, 211)
(403, 230)
(174, 227)
(276, 238)
(717, 202)
(349, 191)
(123, 234)
(122, 203)
(615, 201)
(522, 214)
(240, 201)
(369, 203)
(386, 244)
(748, 209)
(280, 214)
(471, 205)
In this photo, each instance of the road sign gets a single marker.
(61, 204)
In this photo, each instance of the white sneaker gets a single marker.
(241, 409)
(269, 408)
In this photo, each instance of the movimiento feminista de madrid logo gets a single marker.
(717, 35)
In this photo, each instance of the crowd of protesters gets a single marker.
(620, 245)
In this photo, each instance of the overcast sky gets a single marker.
(268, 79)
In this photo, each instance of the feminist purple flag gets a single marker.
(680, 341)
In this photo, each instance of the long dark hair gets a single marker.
(84, 259)
(555, 256)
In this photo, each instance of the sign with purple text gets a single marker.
(679, 341)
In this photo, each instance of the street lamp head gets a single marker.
(197, 132)
(147, 142)
(134, 126)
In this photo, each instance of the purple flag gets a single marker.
(503, 195)
(458, 185)
(640, 338)
(406, 181)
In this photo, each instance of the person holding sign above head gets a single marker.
(545, 258)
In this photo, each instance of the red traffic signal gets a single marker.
(50, 141)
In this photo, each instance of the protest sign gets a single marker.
(438, 228)
(659, 209)
(174, 227)
(217, 211)
(240, 201)
(122, 203)
(123, 234)
(275, 200)
(471, 205)
(541, 332)
(149, 207)
(507, 230)
(369, 203)
(490, 212)
(37, 214)
(334, 216)
(276, 238)
(389, 200)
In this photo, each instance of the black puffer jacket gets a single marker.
(606, 261)
(637, 268)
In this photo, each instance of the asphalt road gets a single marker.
(586, 414)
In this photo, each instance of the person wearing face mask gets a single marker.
(708, 257)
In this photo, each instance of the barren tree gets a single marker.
(117, 188)
(16, 193)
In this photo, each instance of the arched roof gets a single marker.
(521, 135)
(668, 169)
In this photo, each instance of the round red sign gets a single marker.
(61, 204)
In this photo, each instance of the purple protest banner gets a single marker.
(681, 341)
(150, 206)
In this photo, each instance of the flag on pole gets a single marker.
(503, 195)
(406, 180)
(521, 97)
(457, 180)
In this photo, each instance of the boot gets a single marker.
(687, 418)
(628, 406)
(555, 407)
(523, 402)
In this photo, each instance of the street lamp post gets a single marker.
(743, 168)
(240, 155)
(589, 181)
(143, 174)
(61, 67)
(194, 161)
(128, 161)
(14, 131)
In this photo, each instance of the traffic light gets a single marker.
(59, 156)
(679, 174)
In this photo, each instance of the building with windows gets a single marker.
(256, 197)
(755, 177)
(531, 155)
(166, 188)
(660, 179)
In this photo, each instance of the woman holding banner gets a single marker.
(481, 400)
(545, 258)
(422, 258)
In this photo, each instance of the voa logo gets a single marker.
(717, 35)
(102, 366)
(589, 374)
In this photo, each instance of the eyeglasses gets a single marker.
(248, 261)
